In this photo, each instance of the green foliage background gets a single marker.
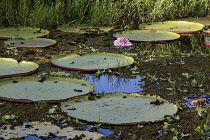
(51, 13)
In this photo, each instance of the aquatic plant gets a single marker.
(151, 78)
(147, 36)
(92, 61)
(9, 117)
(187, 75)
(11, 67)
(122, 42)
(32, 43)
(85, 29)
(114, 109)
(39, 90)
(182, 27)
(11, 50)
(203, 130)
(22, 32)
(45, 129)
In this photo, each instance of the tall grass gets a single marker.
(51, 13)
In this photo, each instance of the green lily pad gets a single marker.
(10, 67)
(22, 32)
(119, 109)
(85, 29)
(92, 61)
(147, 36)
(43, 129)
(50, 90)
(204, 21)
(32, 43)
(174, 26)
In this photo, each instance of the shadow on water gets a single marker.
(112, 83)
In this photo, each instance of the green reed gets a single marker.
(51, 13)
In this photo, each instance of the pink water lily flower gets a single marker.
(122, 42)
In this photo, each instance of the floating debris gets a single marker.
(195, 99)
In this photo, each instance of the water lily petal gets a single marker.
(122, 42)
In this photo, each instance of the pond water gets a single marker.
(111, 83)
(171, 71)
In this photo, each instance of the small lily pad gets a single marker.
(22, 32)
(11, 67)
(182, 27)
(32, 43)
(92, 61)
(147, 35)
(119, 109)
(43, 129)
(85, 29)
(50, 90)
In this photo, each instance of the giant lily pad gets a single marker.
(10, 67)
(204, 21)
(85, 29)
(92, 61)
(147, 36)
(174, 26)
(32, 43)
(119, 109)
(43, 129)
(22, 32)
(50, 90)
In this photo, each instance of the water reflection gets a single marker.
(104, 131)
(112, 83)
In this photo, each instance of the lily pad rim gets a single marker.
(83, 97)
(88, 70)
